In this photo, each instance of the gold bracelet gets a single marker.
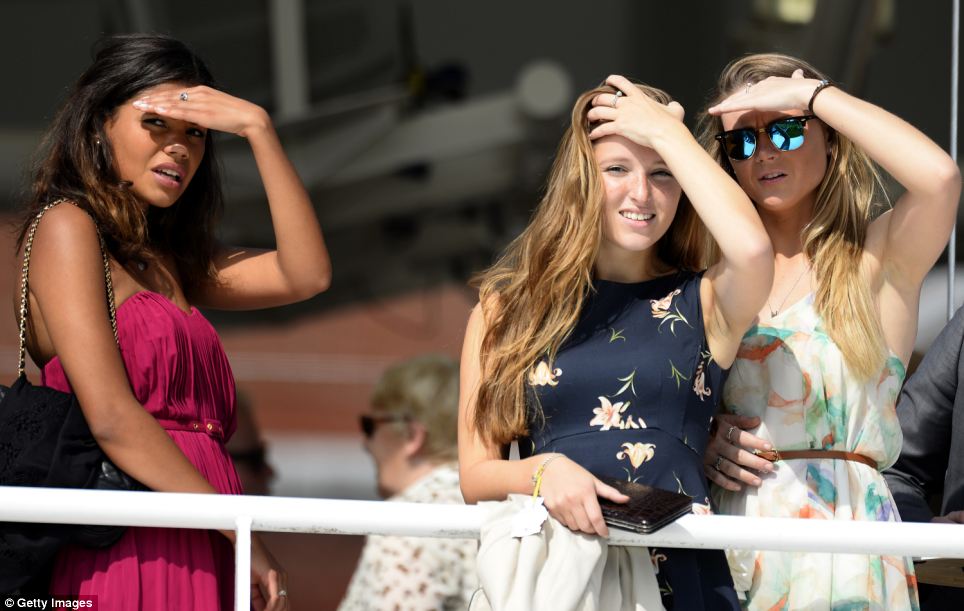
(537, 476)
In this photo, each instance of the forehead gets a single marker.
(617, 146)
(173, 87)
(127, 112)
(126, 108)
(754, 118)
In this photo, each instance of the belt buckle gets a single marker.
(771, 455)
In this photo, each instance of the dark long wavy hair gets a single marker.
(75, 160)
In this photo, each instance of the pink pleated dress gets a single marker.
(179, 372)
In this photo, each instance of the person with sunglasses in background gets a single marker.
(411, 435)
(810, 419)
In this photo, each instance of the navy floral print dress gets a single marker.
(630, 395)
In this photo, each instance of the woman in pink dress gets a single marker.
(132, 149)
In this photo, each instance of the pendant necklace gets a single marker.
(775, 311)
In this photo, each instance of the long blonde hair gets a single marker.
(533, 294)
(834, 238)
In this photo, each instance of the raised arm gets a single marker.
(485, 475)
(916, 230)
(735, 287)
(250, 278)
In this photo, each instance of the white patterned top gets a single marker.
(417, 573)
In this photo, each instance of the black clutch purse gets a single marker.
(648, 509)
(45, 441)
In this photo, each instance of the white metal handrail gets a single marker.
(326, 516)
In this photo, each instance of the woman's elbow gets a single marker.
(320, 283)
(949, 179)
(469, 493)
(759, 250)
(756, 254)
(317, 283)
(107, 424)
(944, 181)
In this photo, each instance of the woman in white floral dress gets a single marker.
(816, 379)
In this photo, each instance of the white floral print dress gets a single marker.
(792, 375)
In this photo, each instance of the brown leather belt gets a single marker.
(775, 455)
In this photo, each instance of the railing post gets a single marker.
(242, 566)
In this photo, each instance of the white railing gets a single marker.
(324, 516)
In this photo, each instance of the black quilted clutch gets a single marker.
(648, 509)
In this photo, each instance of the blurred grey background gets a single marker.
(423, 128)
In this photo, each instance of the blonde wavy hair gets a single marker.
(533, 294)
(834, 238)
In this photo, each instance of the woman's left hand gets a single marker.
(774, 93)
(633, 114)
(730, 460)
(269, 582)
(208, 108)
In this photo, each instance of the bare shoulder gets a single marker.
(476, 324)
(66, 227)
(66, 249)
(484, 312)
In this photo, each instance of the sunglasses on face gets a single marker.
(369, 422)
(786, 134)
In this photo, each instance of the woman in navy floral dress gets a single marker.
(599, 343)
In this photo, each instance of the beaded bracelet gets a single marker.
(820, 87)
(537, 476)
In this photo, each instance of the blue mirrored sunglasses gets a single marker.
(786, 134)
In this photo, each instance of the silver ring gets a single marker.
(183, 98)
(729, 433)
(718, 463)
(281, 592)
(616, 97)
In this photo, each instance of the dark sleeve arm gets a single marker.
(925, 411)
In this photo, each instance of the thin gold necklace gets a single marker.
(775, 311)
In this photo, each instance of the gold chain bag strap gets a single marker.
(24, 280)
(45, 441)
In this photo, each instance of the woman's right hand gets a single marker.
(729, 460)
(772, 94)
(569, 492)
(634, 115)
(269, 582)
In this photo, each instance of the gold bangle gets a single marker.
(537, 476)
